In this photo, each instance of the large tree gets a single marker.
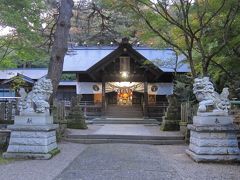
(199, 29)
(60, 43)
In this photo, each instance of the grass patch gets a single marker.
(54, 152)
(4, 161)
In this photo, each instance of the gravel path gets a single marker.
(143, 162)
(118, 162)
(190, 170)
(41, 169)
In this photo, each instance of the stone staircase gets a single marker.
(124, 124)
(124, 111)
(101, 138)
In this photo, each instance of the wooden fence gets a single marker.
(188, 110)
(157, 110)
(8, 110)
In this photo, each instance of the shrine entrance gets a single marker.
(125, 83)
(124, 93)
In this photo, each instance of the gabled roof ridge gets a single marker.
(115, 47)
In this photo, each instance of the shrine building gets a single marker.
(122, 81)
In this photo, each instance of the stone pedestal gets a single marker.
(213, 139)
(32, 137)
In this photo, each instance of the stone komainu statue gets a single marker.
(205, 94)
(37, 99)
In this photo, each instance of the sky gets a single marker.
(5, 30)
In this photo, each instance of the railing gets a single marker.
(90, 109)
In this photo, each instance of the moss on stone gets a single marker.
(3, 160)
(170, 125)
(76, 126)
(54, 152)
(6, 122)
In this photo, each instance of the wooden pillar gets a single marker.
(103, 98)
(145, 98)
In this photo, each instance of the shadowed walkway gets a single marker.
(117, 162)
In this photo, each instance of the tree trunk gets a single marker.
(205, 67)
(60, 44)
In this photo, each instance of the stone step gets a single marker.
(120, 109)
(119, 112)
(122, 120)
(128, 137)
(124, 116)
(132, 141)
(124, 111)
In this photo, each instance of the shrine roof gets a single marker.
(80, 59)
(33, 73)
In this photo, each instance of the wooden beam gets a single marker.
(103, 98)
(145, 98)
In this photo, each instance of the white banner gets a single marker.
(96, 88)
(89, 88)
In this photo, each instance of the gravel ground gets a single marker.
(143, 162)
(41, 169)
(118, 162)
(187, 169)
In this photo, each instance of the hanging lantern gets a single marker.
(124, 66)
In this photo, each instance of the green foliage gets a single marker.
(54, 152)
(68, 77)
(206, 32)
(103, 21)
(17, 83)
(24, 42)
(76, 119)
(4, 161)
(183, 88)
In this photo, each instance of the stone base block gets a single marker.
(213, 158)
(213, 142)
(211, 150)
(35, 142)
(38, 156)
(212, 120)
(39, 119)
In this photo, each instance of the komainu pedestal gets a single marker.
(32, 141)
(33, 135)
(213, 139)
(213, 135)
